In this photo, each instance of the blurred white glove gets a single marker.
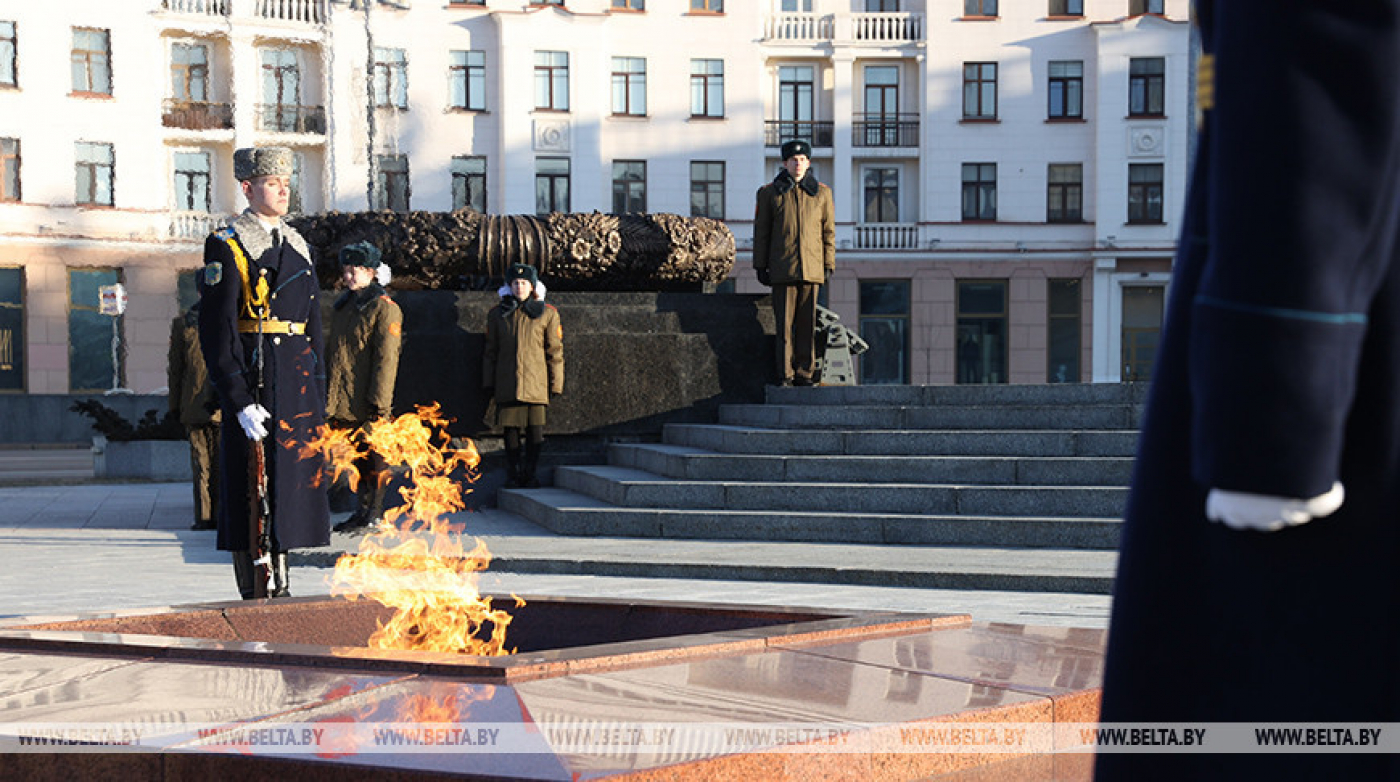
(1265, 513)
(251, 419)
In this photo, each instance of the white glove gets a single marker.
(1265, 513)
(251, 419)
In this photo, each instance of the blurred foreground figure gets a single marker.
(1258, 581)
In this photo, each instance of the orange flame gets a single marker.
(414, 563)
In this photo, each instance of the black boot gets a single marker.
(532, 463)
(243, 573)
(514, 478)
(280, 583)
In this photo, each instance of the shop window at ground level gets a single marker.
(1142, 329)
(981, 350)
(884, 325)
(1064, 331)
(11, 329)
(91, 365)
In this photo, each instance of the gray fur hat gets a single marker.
(250, 162)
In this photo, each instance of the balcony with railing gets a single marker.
(885, 130)
(196, 115)
(285, 118)
(302, 11)
(882, 28)
(777, 132)
(886, 236)
(194, 225)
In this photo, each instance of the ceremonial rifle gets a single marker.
(259, 503)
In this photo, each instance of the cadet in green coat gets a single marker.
(192, 401)
(522, 367)
(362, 360)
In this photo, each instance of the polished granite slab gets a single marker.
(816, 675)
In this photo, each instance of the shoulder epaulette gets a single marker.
(225, 233)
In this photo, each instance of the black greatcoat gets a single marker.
(293, 384)
(1279, 373)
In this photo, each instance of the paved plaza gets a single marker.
(81, 546)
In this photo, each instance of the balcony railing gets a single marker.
(883, 28)
(777, 132)
(197, 115)
(306, 11)
(888, 27)
(885, 130)
(193, 225)
(886, 236)
(204, 7)
(798, 27)
(282, 118)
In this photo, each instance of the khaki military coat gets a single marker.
(191, 395)
(524, 355)
(362, 355)
(794, 231)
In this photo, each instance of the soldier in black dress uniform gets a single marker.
(1257, 577)
(260, 328)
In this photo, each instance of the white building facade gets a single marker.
(1008, 175)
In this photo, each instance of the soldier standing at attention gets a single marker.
(363, 359)
(522, 367)
(192, 401)
(260, 327)
(794, 251)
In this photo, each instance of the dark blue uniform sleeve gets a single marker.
(1302, 217)
(218, 329)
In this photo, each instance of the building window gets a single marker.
(630, 5)
(707, 88)
(393, 190)
(9, 76)
(11, 329)
(1145, 193)
(707, 189)
(192, 181)
(884, 324)
(551, 185)
(981, 307)
(390, 78)
(877, 6)
(1066, 89)
(189, 72)
(552, 81)
(92, 61)
(294, 202)
(629, 186)
(1064, 193)
(712, 6)
(1139, 7)
(91, 365)
(1147, 78)
(979, 7)
(1064, 331)
(797, 6)
(979, 191)
(281, 88)
(881, 195)
(469, 183)
(467, 76)
(796, 87)
(94, 172)
(1066, 7)
(979, 90)
(629, 86)
(9, 169)
(1142, 329)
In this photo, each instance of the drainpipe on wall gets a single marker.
(369, 112)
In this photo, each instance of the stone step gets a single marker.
(1008, 416)
(637, 488)
(872, 442)
(567, 512)
(927, 567)
(698, 464)
(913, 396)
